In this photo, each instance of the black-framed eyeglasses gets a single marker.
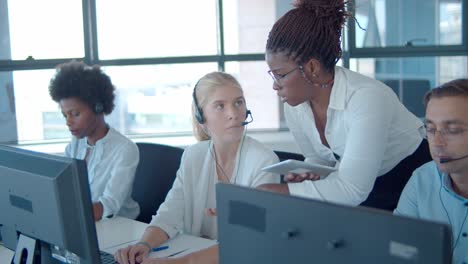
(277, 77)
(447, 133)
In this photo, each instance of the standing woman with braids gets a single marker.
(339, 117)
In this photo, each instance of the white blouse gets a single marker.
(194, 187)
(111, 163)
(367, 127)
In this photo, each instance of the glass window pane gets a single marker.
(7, 109)
(450, 22)
(37, 116)
(148, 28)
(155, 98)
(247, 24)
(411, 78)
(260, 97)
(149, 99)
(436, 23)
(46, 29)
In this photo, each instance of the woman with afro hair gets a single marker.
(85, 95)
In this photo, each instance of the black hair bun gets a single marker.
(322, 8)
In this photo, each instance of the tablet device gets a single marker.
(296, 166)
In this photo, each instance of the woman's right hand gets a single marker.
(294, 177)
(132, 254)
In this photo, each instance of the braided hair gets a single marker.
(311, 30)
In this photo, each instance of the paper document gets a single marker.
(182, 245)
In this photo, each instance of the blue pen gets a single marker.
(159, 248)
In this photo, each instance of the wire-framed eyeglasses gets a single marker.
(277, 77)
(447, 133)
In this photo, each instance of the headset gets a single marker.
(199, 111)
(452, 159)
(98, 108)
(456, 239)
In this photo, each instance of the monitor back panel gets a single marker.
(263, 227)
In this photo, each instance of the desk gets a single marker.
(119, 232)
(5, 255)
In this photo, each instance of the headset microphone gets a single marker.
(450, 160)
(247, 114)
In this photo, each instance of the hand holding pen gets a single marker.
(135, 253)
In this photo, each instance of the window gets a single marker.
(400, 28)
(150, 99)
(46, 29)
(411, 78)
(38, 117)
(148, 28)
(412, 46)
(247, 24)
(154, 52)
(154, 99)
(394, 23)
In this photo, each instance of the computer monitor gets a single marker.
(255, 226)
(45, 202)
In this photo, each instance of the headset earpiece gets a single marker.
(199, 115)
(245, 122)
(98, 108)
(198, 111)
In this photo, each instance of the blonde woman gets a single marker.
(224, 154)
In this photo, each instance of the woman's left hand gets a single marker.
(293, 177)
(210, 212)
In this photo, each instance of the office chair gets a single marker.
(154, 177)
(283, 155)
(411, 93)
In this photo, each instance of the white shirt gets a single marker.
(111, 163)
(367, 127)
(193, 189)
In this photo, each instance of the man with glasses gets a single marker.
(438, 190)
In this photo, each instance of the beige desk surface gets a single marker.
(119, 232)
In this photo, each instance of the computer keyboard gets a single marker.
(107, 258)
